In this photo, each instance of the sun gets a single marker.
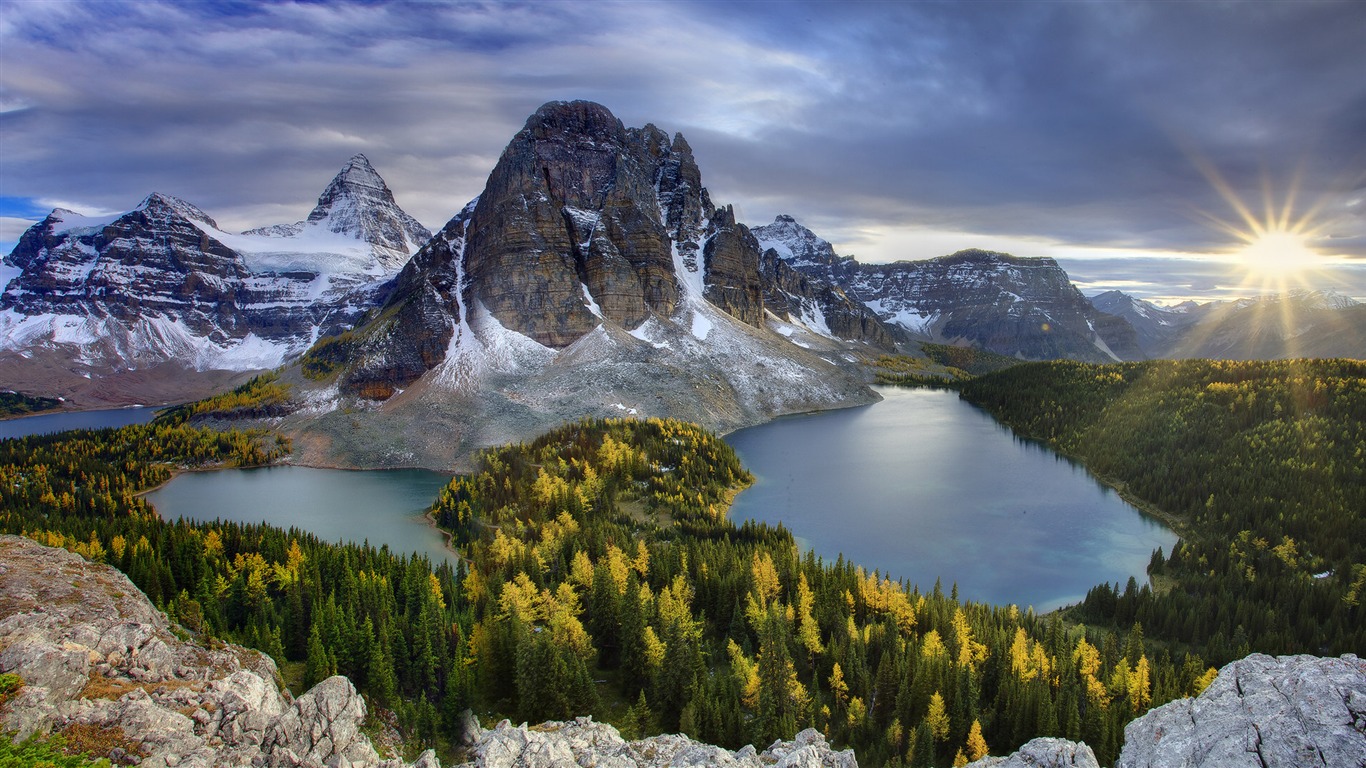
(1275, 250)
(1278, 253)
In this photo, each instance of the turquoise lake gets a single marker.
(924, 486)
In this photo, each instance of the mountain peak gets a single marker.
(157, 202)
(359, 204)
(573, 117)
(793, 241)
(359, 173)
(357, 179)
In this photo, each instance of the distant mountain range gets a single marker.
(593, 276)
(1300, 323)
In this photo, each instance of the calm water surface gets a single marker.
(60, 422)
(923, 486)
(381, 506)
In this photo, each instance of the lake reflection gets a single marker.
(924, 486)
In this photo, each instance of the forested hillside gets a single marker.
(1263, 467)
(602, 578)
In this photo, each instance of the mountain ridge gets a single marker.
(1296, 323)
(159, 299)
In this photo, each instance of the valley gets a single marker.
(602, 549)
(573, 342)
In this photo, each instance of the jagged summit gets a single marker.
(157, 204)
(358, 204)
(593, 276)
(804, 250)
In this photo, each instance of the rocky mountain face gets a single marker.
(1156, 327)
(803, 284)
(94, 653)
(593, 276)
(1299, 323)
(810, 303)
(164, 284)
(1025, 307)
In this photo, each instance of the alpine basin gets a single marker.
(923, 486)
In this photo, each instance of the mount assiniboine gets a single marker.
(160, 303)
(593, 276)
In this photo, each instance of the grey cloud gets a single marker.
(1077, 122)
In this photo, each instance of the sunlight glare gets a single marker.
(1279, 253)
(1276, 252)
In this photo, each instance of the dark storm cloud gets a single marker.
(1067, 107)
(1076, 124)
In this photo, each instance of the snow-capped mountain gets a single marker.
(1298, 323)
(1025, 307)
(804, 285)
(358, 205)
(164, 284)
(805, 252)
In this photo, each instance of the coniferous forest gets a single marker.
(601, 575)
(1260, 465)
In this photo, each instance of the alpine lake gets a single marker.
(920, 486)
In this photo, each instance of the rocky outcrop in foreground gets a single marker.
(1044, 753)
(584, 742)
(1261, 712)
(101, 665)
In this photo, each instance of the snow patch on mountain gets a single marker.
(904, 314)
(163, 282)
(482, 346)
(146, 341)
(65, 221)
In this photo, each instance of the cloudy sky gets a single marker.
(1120, 138)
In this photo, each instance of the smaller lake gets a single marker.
(46, 423)
(380, 506)
(925, 486)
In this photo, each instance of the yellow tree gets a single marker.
(938, 718)
(976, 746)
(970, 652)
(932, 647)
(1087, 659)
(838, 687)
(1140, 685)
(808, 632)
